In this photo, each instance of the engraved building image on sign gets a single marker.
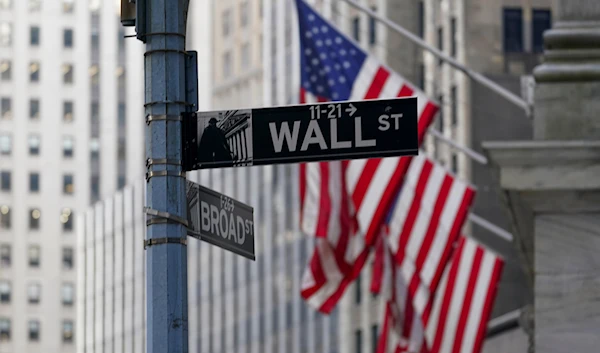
(223, 139)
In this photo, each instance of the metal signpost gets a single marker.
(300, 133)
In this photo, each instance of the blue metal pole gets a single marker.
(166, 252)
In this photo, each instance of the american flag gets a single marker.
(452, 319)
(345, 204)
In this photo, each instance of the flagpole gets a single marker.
(475, 76)
(474, 155)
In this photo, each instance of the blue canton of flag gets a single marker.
(330, 61)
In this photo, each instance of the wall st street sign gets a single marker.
(301, 133)
(220, 220)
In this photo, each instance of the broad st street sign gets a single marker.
(300, 133)
(220, 220)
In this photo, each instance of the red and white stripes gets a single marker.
(427, 219)
(464, 300)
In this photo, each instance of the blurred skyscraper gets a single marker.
(71, 133)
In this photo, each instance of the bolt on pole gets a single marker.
(161, 24)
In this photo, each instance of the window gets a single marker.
(34, 72)
(4, 329)
(513, 30)
(34, 109)
(5, 181)
(68, 38)
(67, 70)
(357, 290)
(5, 70)
(95, 119)
(356, 28)
(454, 102)
(244, 14)
(34, 36)
(542, 21)
(67, 111)
(246, 56)
(454, 165)
(5, 256)
(34, 293)
(95, 188)
(226, 22)
(67, 331)
(5, 144)
(5, 222)
(94, 72)
(5, 34)
(373, 28)
(34, 330)
(35, 5)
(421, 19)
(34, 182)
(121, 110)
(226, 65)
(358, 340)
(6, 108)
(34, 256)
(374, 337)
(66, 218)
(5, 4)
(68, 184)
(67, 258)
(67, 146)
(440, 41)
(34, 145)
(453, 30)
(121, 182)
(67, 294)
(68, 6)
(5, 291)
(34, 218)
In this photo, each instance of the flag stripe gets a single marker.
(446, 301)
(489, 301)
(466, 306)
(364, 78)
(378, 82)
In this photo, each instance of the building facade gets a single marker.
(71, 132)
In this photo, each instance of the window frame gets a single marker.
(5, 255)
(5, 297)
(5, 180)
(68, 41)
(36, 334)
(32, 299)
(518, 47)
(6, 108)
(65, 188)
(34, 264)
(32, 176)
(65, 299)
(8, 138)
(34, 114)
(34, 223)
(34, 40)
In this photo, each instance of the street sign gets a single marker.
(220, 220)
(300, 133)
